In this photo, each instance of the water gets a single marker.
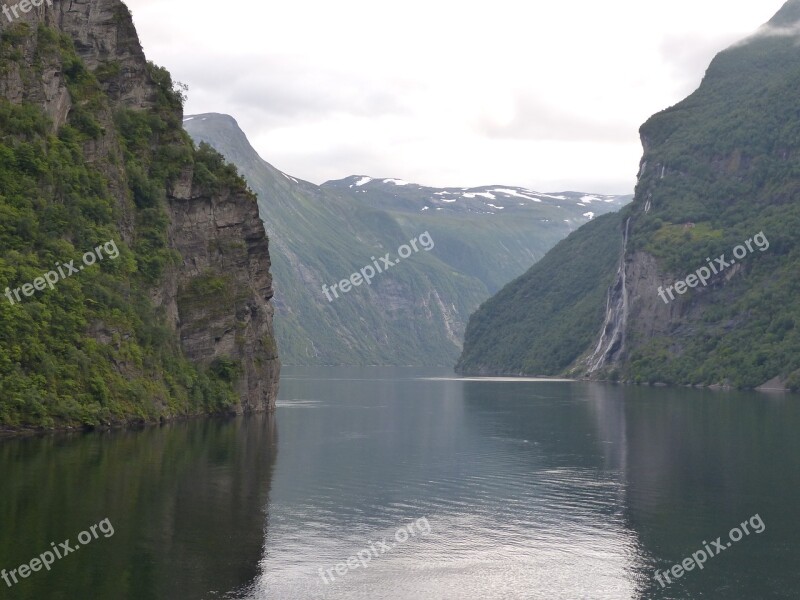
(518, 489)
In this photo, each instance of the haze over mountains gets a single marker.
(416, 313)
(718, 169)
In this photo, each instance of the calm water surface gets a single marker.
(518, 489)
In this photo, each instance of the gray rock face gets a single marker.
(103, 30)
(219, 235)
(223, 238)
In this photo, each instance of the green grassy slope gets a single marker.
(542, 321)
(734, 149)
(719, 167)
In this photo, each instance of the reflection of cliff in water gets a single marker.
(698, 463)
(213, 535)
(187, 501)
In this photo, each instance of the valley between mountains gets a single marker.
(415, 314)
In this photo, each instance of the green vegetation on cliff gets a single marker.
(718, 168)
(730, 153)
(94, 350)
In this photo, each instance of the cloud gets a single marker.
(768, 30)
(541, 94)
(535, 119)
(687, 56)
(287, 88)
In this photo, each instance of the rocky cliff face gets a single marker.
(190, 222)
(221, 236)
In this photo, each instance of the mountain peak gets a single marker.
(220, 123)
(223, 133)
(212, 116)
(789, 14)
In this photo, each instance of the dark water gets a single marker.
(511, 489)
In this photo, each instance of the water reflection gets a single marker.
(698, 464)
(531, 489)
(187, 502)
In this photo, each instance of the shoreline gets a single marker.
(8, 433)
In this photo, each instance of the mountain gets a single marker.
(135, 267)
(498, 231)
(703, 289)
(416, 313)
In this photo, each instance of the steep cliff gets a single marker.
(179, 321)
(219, 298)
(704, 287)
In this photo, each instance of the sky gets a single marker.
(540, 94)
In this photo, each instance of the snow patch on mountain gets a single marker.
(516, 194)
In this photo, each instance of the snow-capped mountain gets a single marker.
(396, 194)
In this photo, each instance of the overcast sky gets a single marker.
(541, 94)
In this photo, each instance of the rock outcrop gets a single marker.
(193, 226)
(222, 236)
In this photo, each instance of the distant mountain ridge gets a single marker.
(396, 194)
(416, 313)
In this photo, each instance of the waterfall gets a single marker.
(612, 334)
